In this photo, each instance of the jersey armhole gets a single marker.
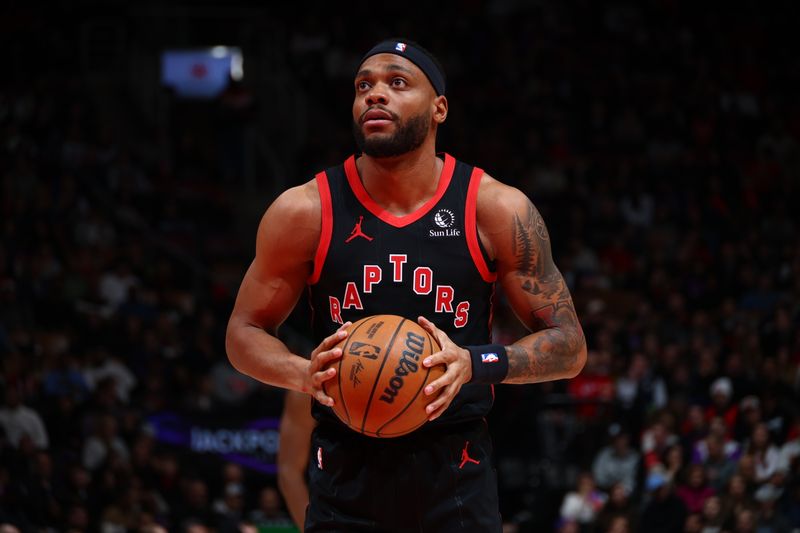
(327, 227)
(471, 227)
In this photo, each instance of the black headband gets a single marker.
(416, 56)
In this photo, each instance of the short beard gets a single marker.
(409, 136)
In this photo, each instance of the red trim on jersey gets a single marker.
(471, 227)
(327, 226)
(372, 206)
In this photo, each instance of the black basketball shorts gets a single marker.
(435, 481)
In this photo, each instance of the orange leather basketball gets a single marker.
(378, 388)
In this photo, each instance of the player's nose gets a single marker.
(377, 95)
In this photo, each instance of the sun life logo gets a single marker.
(444, 218)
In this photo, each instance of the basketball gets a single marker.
(378, 386)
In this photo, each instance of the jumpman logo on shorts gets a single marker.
(357, 231)
(465, 458)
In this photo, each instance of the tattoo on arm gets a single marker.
(533, 255)
(558, 339)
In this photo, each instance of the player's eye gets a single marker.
(398, 82)
(362, 85)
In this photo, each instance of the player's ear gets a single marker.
(440, 109)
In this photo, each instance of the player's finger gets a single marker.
(323, 398)
(323, 358)
(430, 327)
(333, 339)
(437, 407)
(318, 378)
(442, 381)
(336, 336)
(438, 358)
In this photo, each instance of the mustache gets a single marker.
(373, 108)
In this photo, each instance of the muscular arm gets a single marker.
(516, 236)
(293, 450)
(285, 246)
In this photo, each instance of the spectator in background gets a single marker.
(694, 427)
(194, 507)
(713, 518)
(722, 404)
(103, 365)
(765, 454)
(583, 504)
(770, 519)
(718, 431)
(593, 388)
(116, 284)
(718, 466)
(124, 512)
(229, 510)
(617, 462)
(750, 415)
(39, 489)
(672, 462)
(639, 391)
(618, 505)
(790, 452)
(746, 467)
(693, 523)
(663, 512)
(745, 521)
(19, 420)
(735, 500)
(78, 519)
(619, 524)
(269, 512)
(694, 490)
(104, 443)
(658, 438)
(62, 376)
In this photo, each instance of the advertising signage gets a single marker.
(252, 443)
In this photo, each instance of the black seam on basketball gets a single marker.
(339, 371)
(405, 432)
(434, 345)
(398, 415)
(380, 371)
(424, 381)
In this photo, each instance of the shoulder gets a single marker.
(497, 198)
(500, 207)
(293, 219)
(297, 203)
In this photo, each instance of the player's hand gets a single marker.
(459, 370)
(320, 357)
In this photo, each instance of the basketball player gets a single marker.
(401, 230)
(293, 451)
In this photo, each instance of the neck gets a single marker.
(403, 183)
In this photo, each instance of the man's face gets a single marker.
(394, 108)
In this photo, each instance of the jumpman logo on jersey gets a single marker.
(465, 458)
(357, 231)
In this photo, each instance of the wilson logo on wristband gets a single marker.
(489, 358)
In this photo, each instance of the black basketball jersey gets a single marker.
(429, 262)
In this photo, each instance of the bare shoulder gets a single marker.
(497, 200)
(497, 206)
(293, 222)
(297, 205)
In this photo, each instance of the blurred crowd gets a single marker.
(658, 139)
